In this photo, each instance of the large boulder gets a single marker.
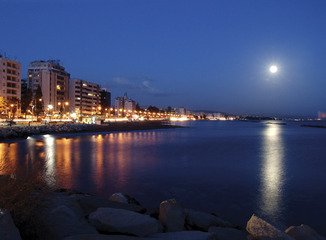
(8, 230)
(303, 232)
(91, 203)
(172, 216)
(123, 198)
(260, 229)
(184, 235)
(63, 221)
(228, 233)
(202, 220)
(61, 216)
(111, 220)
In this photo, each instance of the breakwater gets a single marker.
(26, 131)
(73, 216)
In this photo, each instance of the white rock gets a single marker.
(303, 232)
(228, 233)
(172, 216)
(118, 197)
(204, 220)
(8, 230)
(112, 220)
(260, 229)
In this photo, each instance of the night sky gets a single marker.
(210, 55)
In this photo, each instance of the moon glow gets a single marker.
(273, 69)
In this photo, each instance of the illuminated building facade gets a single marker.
(85, 98)
(130, 105)
(10, 85)
(124, 104)
(53, 80)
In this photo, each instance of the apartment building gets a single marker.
(85, 97)
(53, 80)
(10, 85)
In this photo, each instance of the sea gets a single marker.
(276, 170)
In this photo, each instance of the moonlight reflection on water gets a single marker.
(272, 172)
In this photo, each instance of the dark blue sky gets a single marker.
(204, 54)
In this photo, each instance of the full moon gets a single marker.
(273, 69)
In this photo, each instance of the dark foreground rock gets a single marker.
(123, 198)
(303, 232)
(61, 216)
(172, 216)
(8, 230)
(184, 235)
(77, 216)
(110, 220)
(102, 237)
(90, 203)
(260, 229)
(223, 233)
(202, 221)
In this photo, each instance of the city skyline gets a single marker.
(208, 55)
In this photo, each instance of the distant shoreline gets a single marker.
(313, 126)
(22, 132)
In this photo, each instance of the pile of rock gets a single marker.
(75, 216)
(24, 131)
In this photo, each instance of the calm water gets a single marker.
(231, 168)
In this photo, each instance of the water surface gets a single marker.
(230, 168)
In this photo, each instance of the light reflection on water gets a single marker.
(8, 151)
(272, 171)
(50, 159)
(64, 160)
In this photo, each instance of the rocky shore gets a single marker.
(26, 131)
(72, 216)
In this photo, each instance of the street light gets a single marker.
(11, 111)
(66, 105)
(50, 108)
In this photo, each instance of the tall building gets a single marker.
(10, 85)
(119, 103)
(85, 97)
(53, 80)
(130, 105)
(105, 98)
(124, 105)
